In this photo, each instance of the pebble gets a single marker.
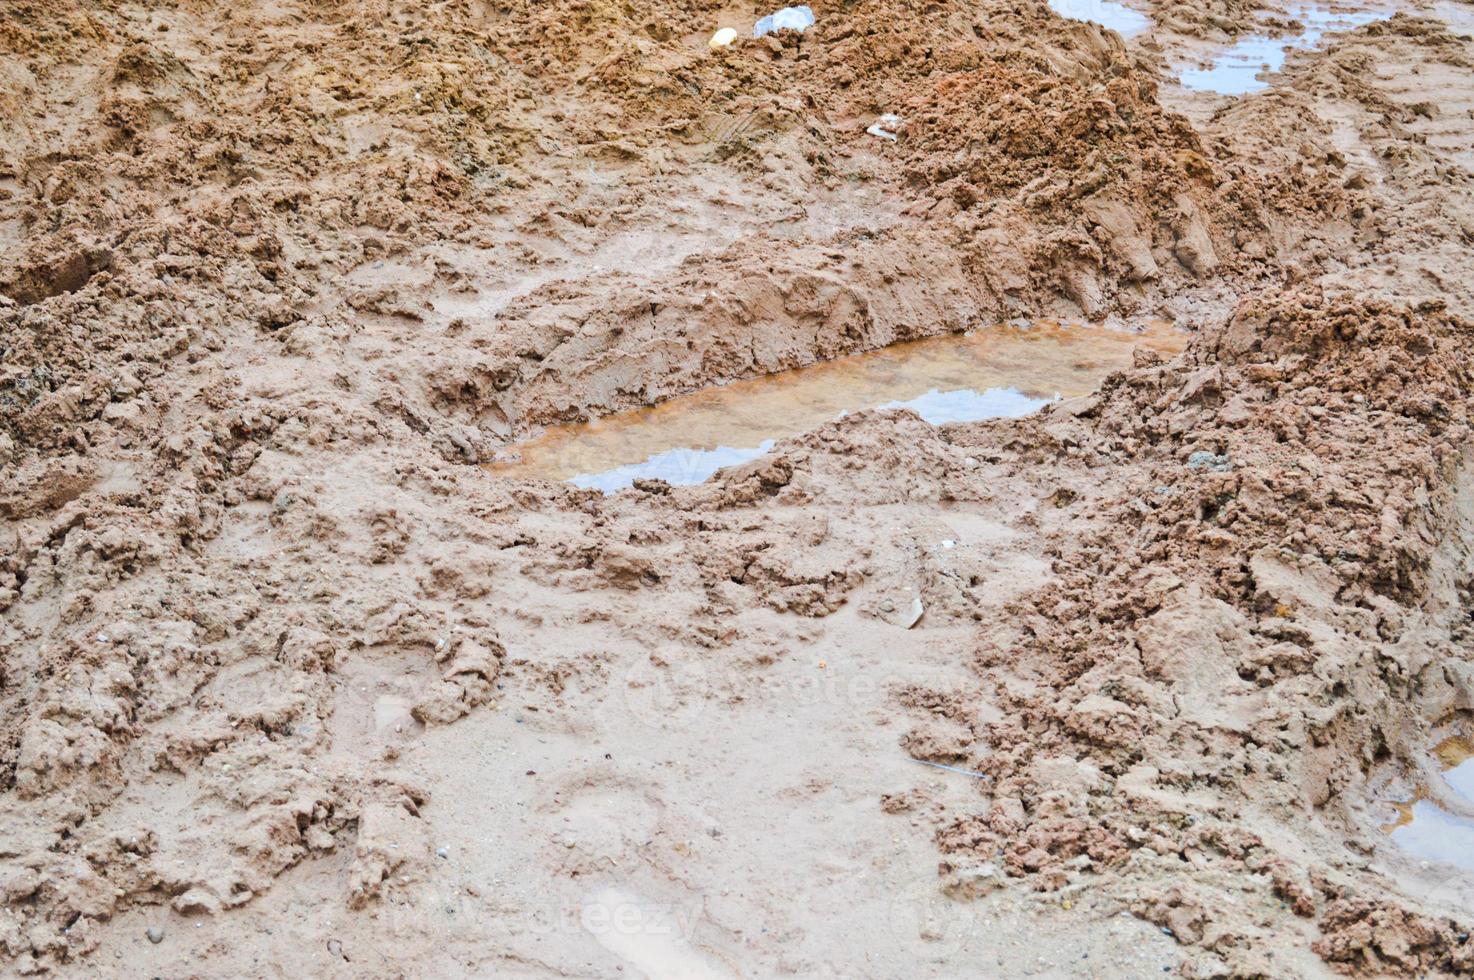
(155, 934)
(442, 852)
(335, 948)
(1212, 462)
(914, 615)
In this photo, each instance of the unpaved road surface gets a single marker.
(293, 683)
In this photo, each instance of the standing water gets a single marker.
(1430, 831)
(1107, 13)
(998, 372)
(1237, 70)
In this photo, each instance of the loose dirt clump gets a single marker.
(1234, 663)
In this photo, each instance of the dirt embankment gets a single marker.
(1271, 600)
(273, 276)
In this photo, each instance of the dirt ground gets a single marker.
(293, 684)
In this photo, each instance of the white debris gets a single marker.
(878, 128)
(722, 38)
(788, 19)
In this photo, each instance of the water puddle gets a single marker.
(1004, 371)
(1455, 13)
(1107, 13)
(1430, 832)
(1237, 70)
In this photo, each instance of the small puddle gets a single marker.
(1107, 13)
(1455, 13)
(1004, 371)
(1237, 70)
(1428, 831)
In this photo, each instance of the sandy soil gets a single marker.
(294, 684)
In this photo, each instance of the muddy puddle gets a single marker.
(1427, 826)
(1107, 13)
(1002, 371)
(1237, 71)
(1456, 14)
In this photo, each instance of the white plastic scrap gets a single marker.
(889, 119)
(788, 19)
(722, 38)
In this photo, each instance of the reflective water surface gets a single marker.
(1429, 831)
(1107, 13)
(996, 372)
(1236, 71)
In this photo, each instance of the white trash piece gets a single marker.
(787, 19)
(722, 38)
(889, 119)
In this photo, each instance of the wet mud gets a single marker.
(300, 675)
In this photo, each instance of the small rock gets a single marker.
(155, 934)
(335, 948)
(970, 883)
(196, 901)
(1078, 407)
(914, 616)
(1212, 462)
(442, 852)
(901, 612)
